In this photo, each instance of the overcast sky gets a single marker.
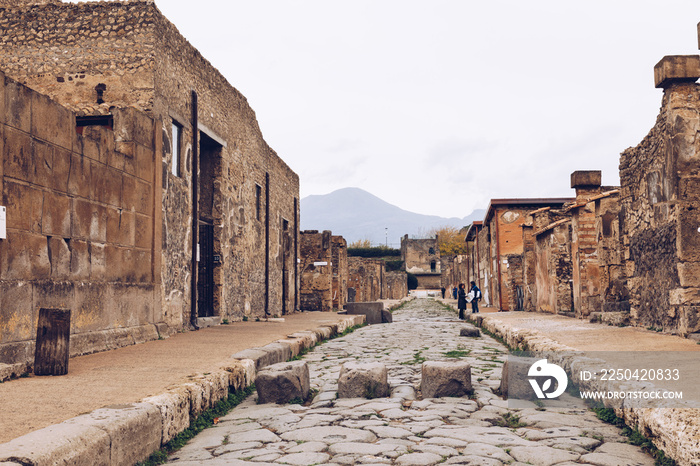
(438, 106)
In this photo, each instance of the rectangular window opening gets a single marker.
(177, 147)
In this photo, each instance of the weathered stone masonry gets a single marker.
(80, 218)
(660, 210)
(220, 188)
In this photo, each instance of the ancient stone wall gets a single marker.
(660, 216)
(395, 285)
(81, 225)
(455, 270)
(553, 268)
(97, 55)
(340, 271)
(365, 279)
(613, 279)
(316, 290)
(422, 258)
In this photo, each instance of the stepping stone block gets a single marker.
(372, 311)
(283, 382)
(363, 380)
(442, 378)
(514, 379)
(469, 332)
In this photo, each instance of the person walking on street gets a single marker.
(461, 301)
(476, 293)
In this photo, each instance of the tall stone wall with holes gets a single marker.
(81, 225)
(316, 290)
(93, 56)
(660, 215)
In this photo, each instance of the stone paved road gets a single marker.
(405, 429)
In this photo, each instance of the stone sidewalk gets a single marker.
(676, 431)
(117, 407)
(406, 429)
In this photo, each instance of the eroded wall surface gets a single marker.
(81, 217)
(660, 216)
(316, 291)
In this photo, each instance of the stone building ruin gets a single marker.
(147, 181)
(422, 259)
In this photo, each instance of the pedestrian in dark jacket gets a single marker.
(476, 293)
(461, 301)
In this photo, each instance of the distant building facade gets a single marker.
(422, 259)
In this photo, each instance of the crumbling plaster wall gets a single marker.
(660, 216)
(81, 225)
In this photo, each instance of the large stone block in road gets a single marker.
(441, 378)
(363, 380)
(282, 382)
(371, 311)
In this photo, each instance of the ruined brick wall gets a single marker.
(365, 279)
(422, 259)
(128, 54)
(613, 281)
(449, 275)
(586, 265)
(455, 270)
(81, 225)
(421, 256)
(554, 269)
(395, 285)
(316, 290)
(660, 216)
(340, 271)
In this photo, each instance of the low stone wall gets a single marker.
(122, 435)
(675, 431)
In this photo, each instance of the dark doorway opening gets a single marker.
(208, 257)
(286, 247)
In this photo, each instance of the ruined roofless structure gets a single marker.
(220, 238)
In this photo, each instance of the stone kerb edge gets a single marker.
(673, 430)
(130, 433)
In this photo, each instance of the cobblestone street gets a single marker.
(406, 429)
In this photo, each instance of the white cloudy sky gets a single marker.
(438, 106)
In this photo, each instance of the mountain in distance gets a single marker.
(356, 215)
